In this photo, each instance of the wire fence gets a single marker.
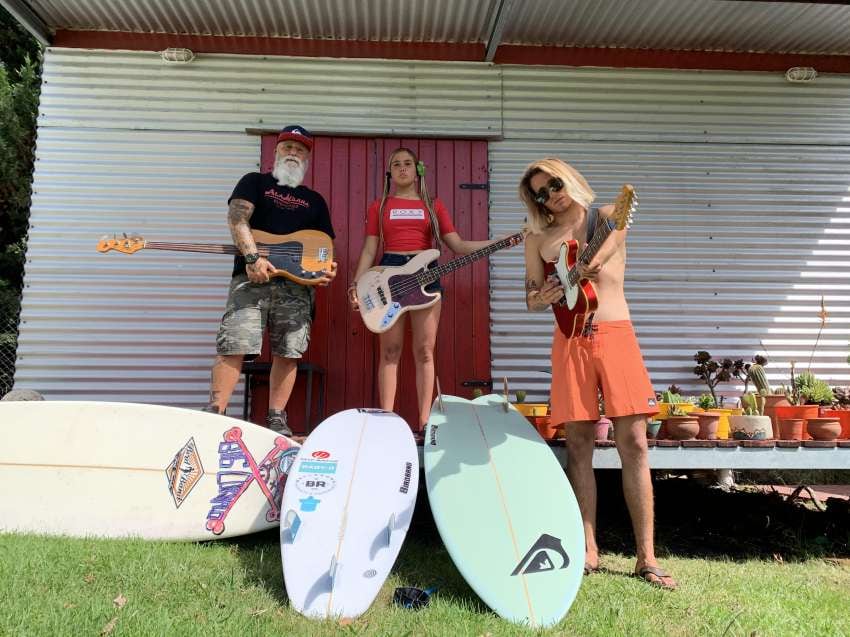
(8, 351)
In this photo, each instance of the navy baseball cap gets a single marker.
(298, 134)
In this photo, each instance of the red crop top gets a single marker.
(407, 226)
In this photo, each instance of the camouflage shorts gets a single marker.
(285, 306)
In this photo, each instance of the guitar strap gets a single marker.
(592, 220)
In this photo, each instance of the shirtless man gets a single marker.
(605, 357)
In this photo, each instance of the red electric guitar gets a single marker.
(580, 300)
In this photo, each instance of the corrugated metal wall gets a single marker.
(744, 219)
(127, 143)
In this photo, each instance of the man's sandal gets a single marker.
(664, 580)
(590, 570)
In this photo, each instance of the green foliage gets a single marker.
(520, 396)
(20, 80)
(706, 401)
(812, 390)
(759, 378)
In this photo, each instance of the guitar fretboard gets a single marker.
(592, 248)
(429, 276)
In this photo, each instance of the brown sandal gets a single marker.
(646, 572)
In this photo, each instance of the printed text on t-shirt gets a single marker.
(286, 201)
(407, 213)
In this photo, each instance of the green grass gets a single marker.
(53, 586)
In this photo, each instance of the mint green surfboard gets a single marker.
(504, 508)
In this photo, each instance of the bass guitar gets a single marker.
(301, 256)
(384, 294)
(580, 300)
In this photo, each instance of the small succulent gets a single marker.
(477, 393)
(705, 401)
(520, 396)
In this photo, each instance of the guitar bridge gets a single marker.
(323, 254)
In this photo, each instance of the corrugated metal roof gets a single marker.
(776, 27)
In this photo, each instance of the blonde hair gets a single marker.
(539, 218)
(421, 189)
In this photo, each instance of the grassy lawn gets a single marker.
(790, 575)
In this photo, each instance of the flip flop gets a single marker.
(645, 572)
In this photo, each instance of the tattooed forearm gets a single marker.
(239, 211)
(530, 285)
(237, 218)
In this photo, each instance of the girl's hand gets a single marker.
(352, 298)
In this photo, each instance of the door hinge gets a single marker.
(485, 186)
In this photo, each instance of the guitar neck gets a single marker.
(591, 249)
(429, 276)
(194, 247)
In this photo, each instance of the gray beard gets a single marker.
(287, 173)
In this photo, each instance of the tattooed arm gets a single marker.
(238, 214)
(540, 292)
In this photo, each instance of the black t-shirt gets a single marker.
(280, 209)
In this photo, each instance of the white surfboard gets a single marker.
(504, 508)
(132, 470)
(346, 509)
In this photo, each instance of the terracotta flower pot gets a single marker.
(750, 427)
(603, 428)
(708, 422)
(664, 408)
(791, 428)
(544, 426)
(823, 428)
(771, 402)
(797, 411)
(843, 416)
(682, 427)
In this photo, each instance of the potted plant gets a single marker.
(529, 409)
(771, 400)
(672, 396)
(804, 393)
(841, 409)
(708, 419)
(678, 424)
(753, 424)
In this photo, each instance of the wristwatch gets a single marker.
(252, 258)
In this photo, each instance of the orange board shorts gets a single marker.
(608, 359)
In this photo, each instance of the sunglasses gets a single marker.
(556, 184)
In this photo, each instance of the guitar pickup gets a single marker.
(323, 254)
(394, 309)
(382, 296)
(370, 305)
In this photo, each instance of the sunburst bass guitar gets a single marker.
(300, 256)
(384, 294)
(580, 298)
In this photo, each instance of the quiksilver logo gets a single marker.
(539, 557)
(408, 472)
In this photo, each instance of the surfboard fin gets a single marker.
(440, 395)
(333, 571)
(291, 524)
(507, 402)
(390, 528)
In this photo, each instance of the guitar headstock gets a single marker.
(125, 244)
(624, 207)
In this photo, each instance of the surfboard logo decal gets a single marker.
(408, 473)
(184, 472)
(538, 559)
(238, 470)
(321, 455)
(315, 484)
(433, 439)
(327, 467)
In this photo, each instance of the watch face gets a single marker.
(251, 258)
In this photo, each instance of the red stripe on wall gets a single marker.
(269, 46)
(448, 51)
(661, 59)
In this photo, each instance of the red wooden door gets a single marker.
(348, 173)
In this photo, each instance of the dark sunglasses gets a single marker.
(556, 184)
(412, 597)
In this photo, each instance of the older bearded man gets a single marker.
(279, 204)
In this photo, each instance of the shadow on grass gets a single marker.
(696, 521)
(423, 561)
